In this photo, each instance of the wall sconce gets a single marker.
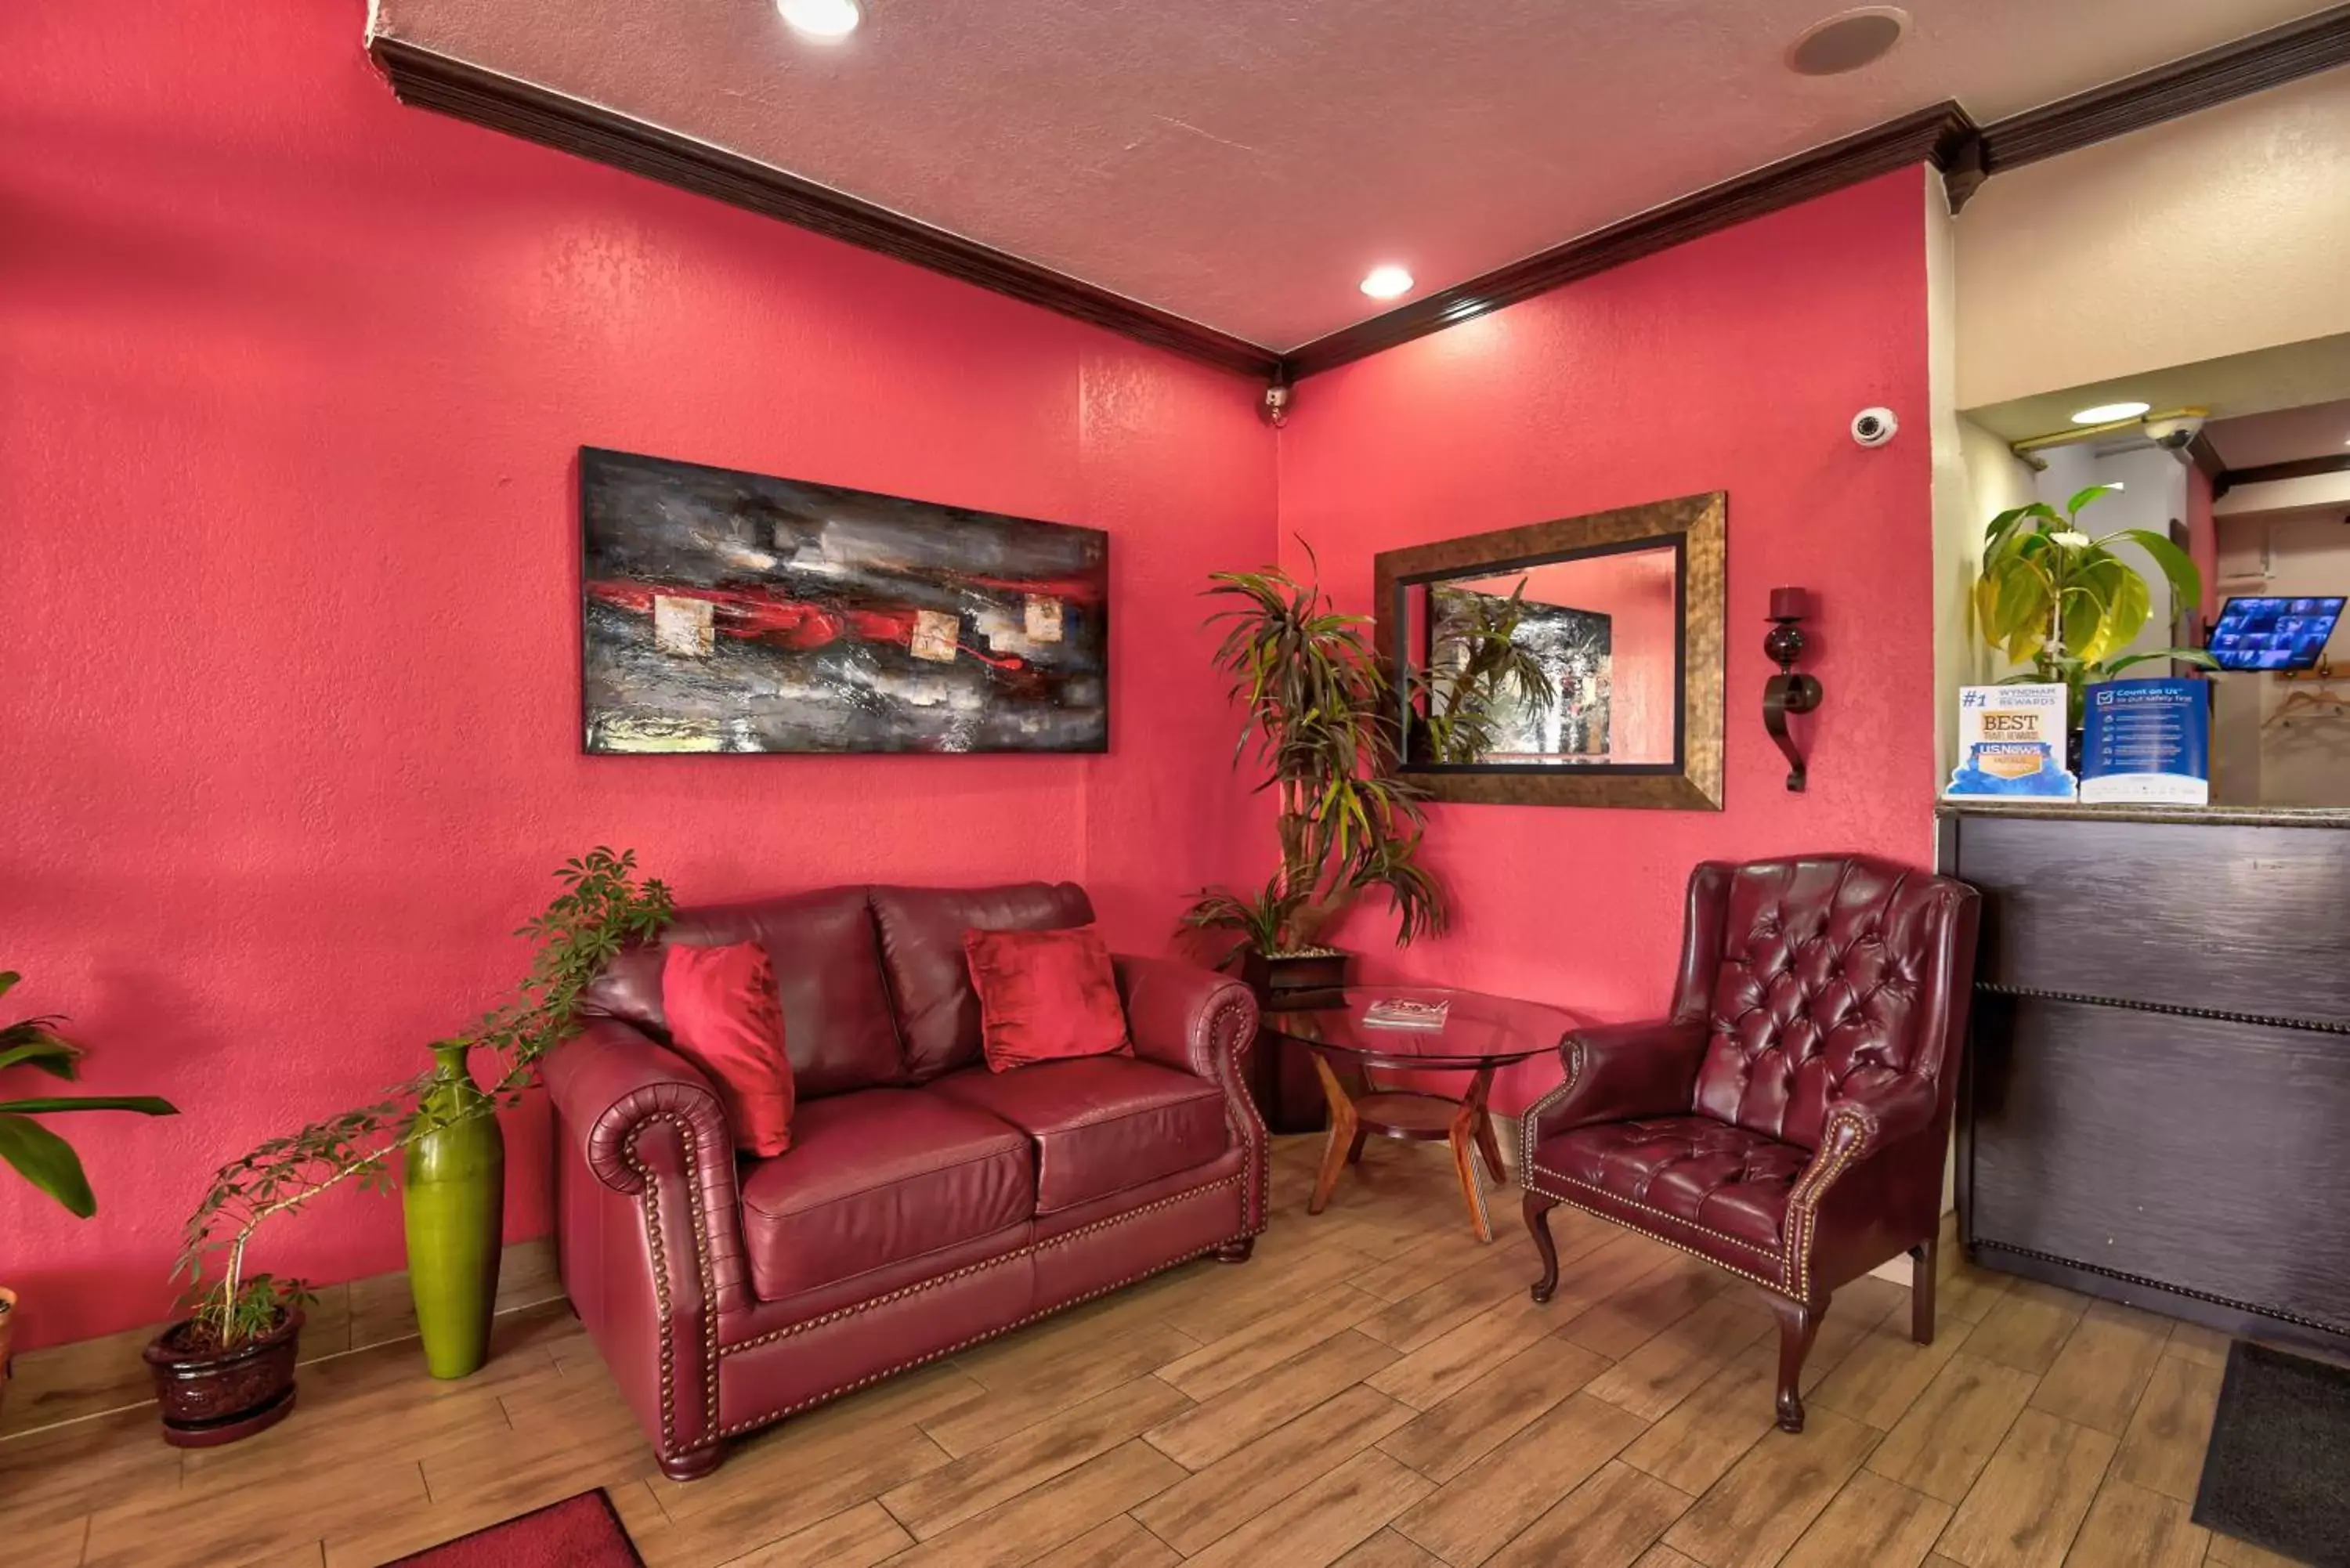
(1788, 693)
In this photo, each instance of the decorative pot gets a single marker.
(1281, 1074)
(213, 1396)
(7, 1333)
(454, 1188)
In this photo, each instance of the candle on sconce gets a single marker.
(1790, 603)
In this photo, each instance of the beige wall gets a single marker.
(2258, 757)
(1963, 499)
(2223, 231)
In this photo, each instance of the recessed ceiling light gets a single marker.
(821, 21)
(2106, 413)
(1386, 282)
(1847, 41)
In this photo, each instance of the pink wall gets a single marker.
(2203, 542)
(1732, 363)
(295, 381)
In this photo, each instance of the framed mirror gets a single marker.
(1577, 663)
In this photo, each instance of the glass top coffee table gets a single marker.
(1480, 1034)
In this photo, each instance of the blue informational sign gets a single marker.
(2148, 741)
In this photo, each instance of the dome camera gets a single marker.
(1874, 427)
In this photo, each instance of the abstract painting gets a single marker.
(1573, 647)
(733, 612)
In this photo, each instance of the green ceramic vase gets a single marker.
(454, 1191)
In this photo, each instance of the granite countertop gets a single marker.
(2190, 816)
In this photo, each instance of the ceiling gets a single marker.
(1243, 164)
(2283, 435)
(2241, 391)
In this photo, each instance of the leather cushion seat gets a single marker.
(1707, 1172)
(1101, 1123)
(877, 1177)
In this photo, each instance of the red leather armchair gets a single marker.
(1787, 1121)
(925, 1204)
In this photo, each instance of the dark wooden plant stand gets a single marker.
(1481, 1036)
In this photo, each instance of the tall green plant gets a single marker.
(2055, 598)
(37, 1154)
(1319, 712)
(601, 909)
(1476, 667)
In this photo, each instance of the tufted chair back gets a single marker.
(1811, 978)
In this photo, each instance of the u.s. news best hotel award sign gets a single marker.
(2011, 744)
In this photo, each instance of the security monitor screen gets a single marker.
(2274, 633)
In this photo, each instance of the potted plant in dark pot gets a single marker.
(1320, 715)
(226, 1370)
(31, 1149)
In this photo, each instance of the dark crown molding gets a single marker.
(467, 92)
(1941, 135)
(2268, 473)
(2281, 55)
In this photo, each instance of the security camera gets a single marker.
(2174, 433)
(1874, 427)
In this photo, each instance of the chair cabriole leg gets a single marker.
(1799, 1323)
(1537, 1210)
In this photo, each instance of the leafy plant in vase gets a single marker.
(2055, 599)
(38, 1155)
(226, 1370)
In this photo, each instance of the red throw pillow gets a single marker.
(723, 1018)
(1044, 996)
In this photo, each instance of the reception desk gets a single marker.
(2156, 1104)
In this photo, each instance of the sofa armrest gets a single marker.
(1618, 1072)
(1875, 1184)
(646, 1124)
(1199, 1022)
(1182, 1015)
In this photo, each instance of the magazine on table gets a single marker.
(1404, 1012)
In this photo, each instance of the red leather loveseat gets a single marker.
(925, 1203)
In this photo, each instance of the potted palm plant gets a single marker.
(1321, 716)
(2060, 602)
(226, 1370)
(38, 1155)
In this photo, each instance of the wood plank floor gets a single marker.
(1373, 1390)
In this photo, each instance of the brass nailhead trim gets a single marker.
(650, 1200)
(755, 1422)
(1773, 1286)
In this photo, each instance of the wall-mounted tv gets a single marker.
(2274, 633)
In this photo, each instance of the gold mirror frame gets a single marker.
(1696, 526)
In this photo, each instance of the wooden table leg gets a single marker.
(1463, 1136)
(1491, 1147)
(1334, 1153)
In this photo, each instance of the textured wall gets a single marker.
(295, 381)
(1731, 363)
(2211, 235)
